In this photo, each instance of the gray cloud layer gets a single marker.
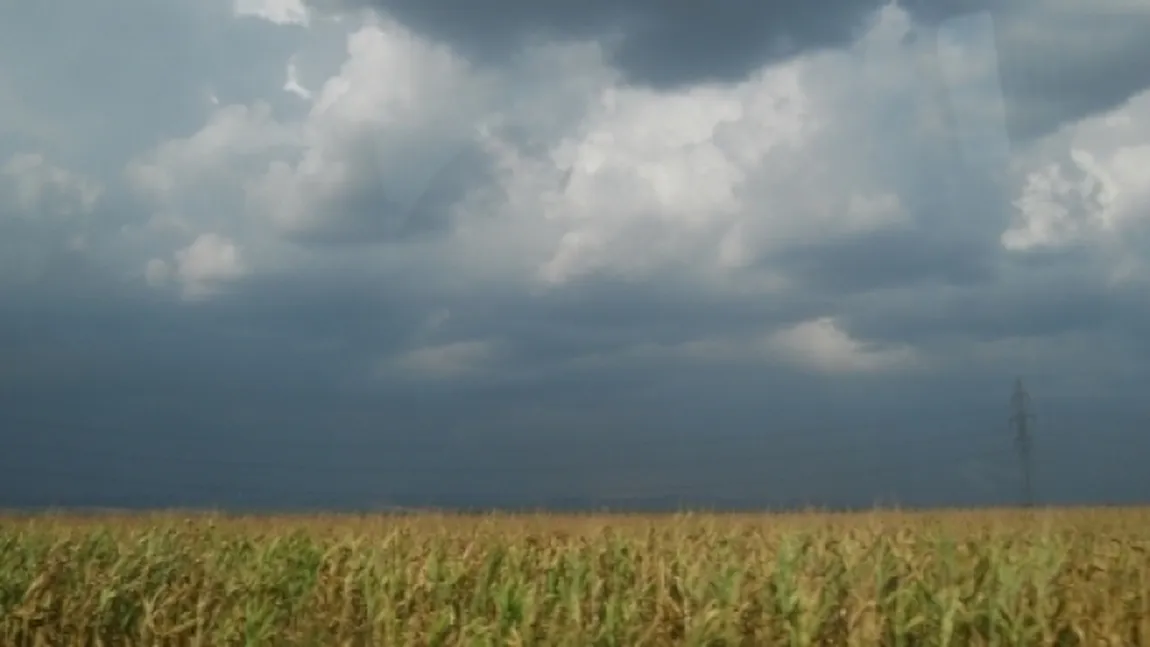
(559, 253)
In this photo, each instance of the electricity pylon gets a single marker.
(1021, 419)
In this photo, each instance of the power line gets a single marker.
(1021, 419)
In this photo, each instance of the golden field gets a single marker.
(1042, 577)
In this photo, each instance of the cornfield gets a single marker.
(1004, 578)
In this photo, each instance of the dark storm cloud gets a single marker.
(602, 315)
(240, 402)
(1058, 61)
(1091, 66)
(664, 43)
(287, 334)
(897, 258)
(135, 343)
(1048, 304)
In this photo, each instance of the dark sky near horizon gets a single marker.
(359, 253)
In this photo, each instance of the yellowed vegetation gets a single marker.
(968, 578)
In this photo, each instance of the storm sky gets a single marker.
(363, 253)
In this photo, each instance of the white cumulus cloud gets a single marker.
(821, 345)
(205, 265)
(279, 12)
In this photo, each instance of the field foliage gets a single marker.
(885, 578)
